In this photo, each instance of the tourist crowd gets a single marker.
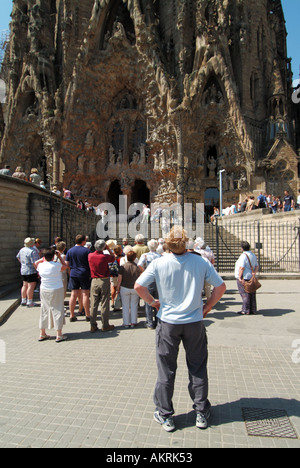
(35, 178)
(167, 274)
(275, 204)
(103, 274)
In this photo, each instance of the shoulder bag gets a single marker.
(253, 285)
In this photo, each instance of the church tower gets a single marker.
(152, 98)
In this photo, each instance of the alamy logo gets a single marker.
(130, 220)
(296, 93)
(2, 352)
(296, 353)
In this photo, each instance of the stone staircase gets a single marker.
(227, 250)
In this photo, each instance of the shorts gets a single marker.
(30, 278)
(79, 283)
(113, 280)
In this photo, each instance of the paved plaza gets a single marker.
(96, 390)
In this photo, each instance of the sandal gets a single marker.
(44, 337)
(60, 338)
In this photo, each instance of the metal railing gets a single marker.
(276, 244)
(66, 221)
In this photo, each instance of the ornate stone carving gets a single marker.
(167, 92)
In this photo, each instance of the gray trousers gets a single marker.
(168, 339)
(249, 300)
(100, 294)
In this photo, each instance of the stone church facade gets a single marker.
(152, 98)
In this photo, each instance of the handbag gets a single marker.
(253, 285)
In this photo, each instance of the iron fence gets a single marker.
(276, 244)
(66, 221)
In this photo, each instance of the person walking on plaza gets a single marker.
(52, 294)
(77, 261)
(128, 274)
(144, 262)
(180, 279)
(243, 273)
(100, 287)
(27, 256)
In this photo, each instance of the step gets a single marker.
(9, 301)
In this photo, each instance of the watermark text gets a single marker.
(296, 353)
(131, 221)
(2, 352)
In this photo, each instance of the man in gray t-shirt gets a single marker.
(180, 278)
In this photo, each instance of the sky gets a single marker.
(291, 10)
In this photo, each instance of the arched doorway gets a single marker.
(114, 193)
(211, 199)
(140, 193)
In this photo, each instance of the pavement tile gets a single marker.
(97, 390)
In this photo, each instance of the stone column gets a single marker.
(180, 188)
(55, 173)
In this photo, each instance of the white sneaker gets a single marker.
(167, 423)
(202, 420)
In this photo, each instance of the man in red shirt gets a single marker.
(100, 288)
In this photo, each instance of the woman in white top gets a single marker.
(207, 253)
(245, 267)
(52, 294)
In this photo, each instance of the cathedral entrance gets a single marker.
(114, 193)
(211, 199)
(140, 193)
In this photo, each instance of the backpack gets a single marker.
(114, 269)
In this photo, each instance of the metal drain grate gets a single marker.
(268, 423)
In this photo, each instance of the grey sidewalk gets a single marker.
(97, 390)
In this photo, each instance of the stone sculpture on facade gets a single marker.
(177, 90)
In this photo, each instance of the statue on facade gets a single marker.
(212, 165)
(112, 156)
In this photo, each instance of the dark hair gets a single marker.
(131, 256)
(245, 246)
(79, 239)
(49, 254)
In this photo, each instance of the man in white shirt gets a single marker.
(180, 279)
